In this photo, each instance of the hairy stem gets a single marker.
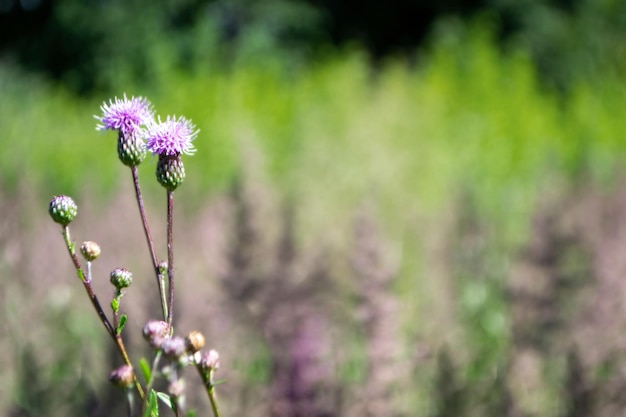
(146, 228)
(96, 305)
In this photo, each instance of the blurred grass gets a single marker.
(467, 117)
(467, 122)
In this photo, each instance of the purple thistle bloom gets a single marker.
(171, 137)
(125, 115)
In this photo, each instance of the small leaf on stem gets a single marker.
(121, 324)
(165, 399)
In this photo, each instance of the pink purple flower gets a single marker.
(171, 137)
(124, 115)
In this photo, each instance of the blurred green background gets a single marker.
(454, 167)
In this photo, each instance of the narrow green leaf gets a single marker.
(121, 324)
(165, 398)
(145, 369)
(152, 406)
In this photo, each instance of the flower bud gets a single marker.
(170, 171)
(210, 360)
(131, 149)
(122, 377)
(62, 209)
(121, 278)
(90, 250)
(176, 388)
(174, 348)
(194, 341)
(155, 332)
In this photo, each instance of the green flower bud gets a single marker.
(170, 171)
(131, 149)
(90, 250)
(62, 209)
(121, 278)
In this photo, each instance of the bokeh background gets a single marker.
(399, 208)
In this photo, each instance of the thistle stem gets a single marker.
(170, 256)
(96, 305)
(146, 228)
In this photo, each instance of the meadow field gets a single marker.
(443, 237)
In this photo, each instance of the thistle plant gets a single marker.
(137, 134)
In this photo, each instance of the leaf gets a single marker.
(121, 324)
(165, 398)
(145, 369)
(115, 305)
(191, 413)
(152, 406)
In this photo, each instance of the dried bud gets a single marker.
(170, 171)
(121, 278)
(194, 341)
(90, 250)
(173, 348)
(155, 332)
(131, 149)
(62, 209)
(210, 360)
(122, 377)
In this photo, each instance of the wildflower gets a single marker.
(126, 116)
(172, 137)
(62, 209)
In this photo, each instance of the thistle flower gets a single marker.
(126, 116)
(172, 137)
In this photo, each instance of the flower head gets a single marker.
(171, 137)
(125, 115)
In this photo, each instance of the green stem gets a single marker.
(207, 380)
(170, 255)
(146, 228)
